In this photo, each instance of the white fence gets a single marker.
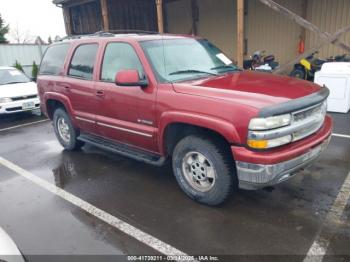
(25, 54)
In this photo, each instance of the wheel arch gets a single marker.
(54, 101)
(174, 126)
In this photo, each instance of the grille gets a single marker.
(304, 114)
(23, 97)
(311, 120)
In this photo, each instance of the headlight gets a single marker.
(270, 122)
(275, 131)
(5, 100)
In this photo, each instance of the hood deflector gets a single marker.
(295, 104)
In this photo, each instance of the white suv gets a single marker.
(17, 92)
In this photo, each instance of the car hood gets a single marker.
(19, 89)
(250, 88)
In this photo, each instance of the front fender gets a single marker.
(220, 126)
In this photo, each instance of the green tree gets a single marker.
(4, 29)
(49, 40)
(18, 66)
(35, 70)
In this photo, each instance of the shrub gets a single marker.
(35, 70)
(18, 66)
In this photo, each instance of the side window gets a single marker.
(119, 56)
(53, 59)
(83, 61)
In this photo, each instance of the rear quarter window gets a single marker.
(53, 60)
(83, 61)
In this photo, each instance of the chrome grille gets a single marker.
(311, 120)
(304, 114)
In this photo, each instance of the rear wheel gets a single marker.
(204, 170)
(298, 73)
(64, 130)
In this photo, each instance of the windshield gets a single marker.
(184, 59)
(12, 76)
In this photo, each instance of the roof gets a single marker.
(58, 2)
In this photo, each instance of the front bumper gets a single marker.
(17, 106)
(270, 168)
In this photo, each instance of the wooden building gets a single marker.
(238, 27)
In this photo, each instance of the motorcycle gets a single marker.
(339, 58)
(307, 67)
(258, 61)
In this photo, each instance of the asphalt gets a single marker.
(282, 221)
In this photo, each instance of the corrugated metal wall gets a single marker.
(265, 28)
(86, 18)
(330, 16)
(133, 14)
(179, 17)
(217, 20)
(268, 30)
(217, 23)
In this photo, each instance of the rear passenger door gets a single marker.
(126, 113)
(79, 86)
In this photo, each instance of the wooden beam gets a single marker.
(329, 40)
(105, 18)
(195, 16)
(304, 23)
(67, 20)
(240, 32)
(159, 4)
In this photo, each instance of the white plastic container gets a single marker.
(336, 76)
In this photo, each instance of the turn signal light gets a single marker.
(258, 144)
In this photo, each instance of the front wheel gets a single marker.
(204, 170)
(64, 130)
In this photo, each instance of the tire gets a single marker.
(298, 73)
(65, 132)
(213, 187)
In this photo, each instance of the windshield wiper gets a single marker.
(192, 71)
(233, 68)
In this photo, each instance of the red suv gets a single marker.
(159, 97)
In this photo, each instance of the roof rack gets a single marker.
(132, 31)
(109, 33)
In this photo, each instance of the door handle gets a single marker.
(66, 87)
(100, 93)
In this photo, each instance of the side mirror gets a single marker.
(130, 78)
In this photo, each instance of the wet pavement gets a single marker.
(285, 220)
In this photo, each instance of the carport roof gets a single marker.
(57, 2)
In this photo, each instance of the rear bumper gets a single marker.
(261, 169)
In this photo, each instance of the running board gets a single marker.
(124, 150)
